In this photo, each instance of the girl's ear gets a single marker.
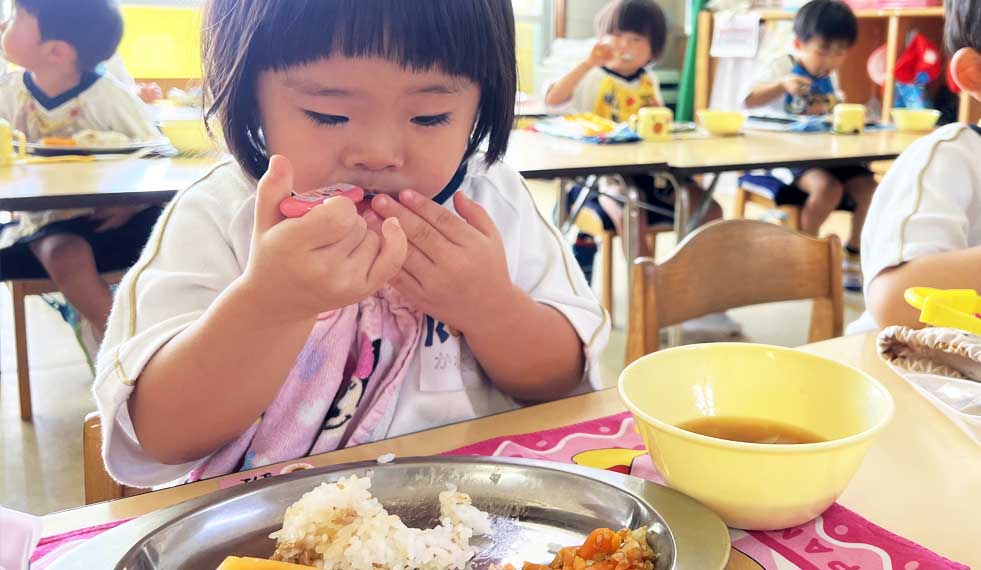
(965, 68)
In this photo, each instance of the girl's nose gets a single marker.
(374, 153)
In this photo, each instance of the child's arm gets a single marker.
(765, 93)
(457, 271)
(918, 229)
(949, 270)
(209, 383)
(561, 91)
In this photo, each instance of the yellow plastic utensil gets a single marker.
(953, 308)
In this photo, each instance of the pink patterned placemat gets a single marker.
(837, 540)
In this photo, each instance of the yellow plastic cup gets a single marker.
(653, 123)
(848, 119)
(755, 486)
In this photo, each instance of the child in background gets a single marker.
(59, 44)
(615, 82)
(244, 338)
(924, 225)
(807, 84)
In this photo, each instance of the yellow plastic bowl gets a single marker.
(755, 486)
(189, 136)
(915, 120)
(721, 122)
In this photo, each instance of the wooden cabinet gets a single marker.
(876, 28)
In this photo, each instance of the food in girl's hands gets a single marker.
(341, 526)
(299, 204)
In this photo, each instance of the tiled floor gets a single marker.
(41, 461)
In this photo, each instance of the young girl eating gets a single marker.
(432, 293)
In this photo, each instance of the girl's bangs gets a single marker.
(453, 36)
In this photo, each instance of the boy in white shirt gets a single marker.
(60, 44)
(807, 84)
(924, 226)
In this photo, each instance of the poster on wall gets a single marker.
(735, 35)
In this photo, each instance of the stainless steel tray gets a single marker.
(533, 504)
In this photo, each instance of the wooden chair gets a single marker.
(789, 201)
(20, 289)
(731, 264)
(791, 213)
(99, 486)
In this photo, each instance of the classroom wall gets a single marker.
(163, 43)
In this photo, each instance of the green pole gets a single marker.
(686, 93)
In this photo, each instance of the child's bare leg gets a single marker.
(70, 263)
(824, 193)
(860, 189)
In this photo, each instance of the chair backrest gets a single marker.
(731, 264)
(99, 486)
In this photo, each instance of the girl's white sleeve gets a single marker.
(542, 264)
(927, 203)
(189, 260)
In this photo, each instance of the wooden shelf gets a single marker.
(877, 27)
(936, 12)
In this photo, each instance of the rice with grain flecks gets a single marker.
(341, 526)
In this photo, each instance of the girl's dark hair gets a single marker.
(467, 38)
(962, 26)
(829, 21)
(92, 27)
(642, 17)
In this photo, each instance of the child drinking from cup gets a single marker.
(615, 82)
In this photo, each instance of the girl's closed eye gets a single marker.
(326, 119)
(432, 120)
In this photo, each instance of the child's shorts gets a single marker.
(842, 174)
(114, 250)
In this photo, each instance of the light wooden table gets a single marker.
(58, 185)
(767, 149)
(921, 479)
(538, 155)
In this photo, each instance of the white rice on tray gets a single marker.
(341, 526)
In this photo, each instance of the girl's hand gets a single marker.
(327, 259)
(601, 54)
(456, 270)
